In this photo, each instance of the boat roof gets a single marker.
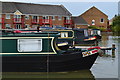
(28, 33)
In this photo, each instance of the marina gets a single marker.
(40, 52)
(96, 72)
(47, 41)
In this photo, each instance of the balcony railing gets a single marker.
(17, 20)
(1, 20)
(67, 22)
(35, 21)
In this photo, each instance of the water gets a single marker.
(105, 68)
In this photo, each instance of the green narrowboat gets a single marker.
(40, 52)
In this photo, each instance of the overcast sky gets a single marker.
(77, 7)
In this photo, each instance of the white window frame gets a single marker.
(37, 18)
(93, 22)
(0, 26)
(7, 16)
(45, 19)
(33, 45)
(53, 17)
(101, 21)
(64, 34)
(0, 18)
(27, 25)
(7, 25)
(18, 26)
(59, 17)
(17, 18)
(27, 17)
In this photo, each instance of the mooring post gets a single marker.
(73, 42)
(113, 50)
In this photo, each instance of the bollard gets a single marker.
(113, 50)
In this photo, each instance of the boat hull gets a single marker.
(47, 63)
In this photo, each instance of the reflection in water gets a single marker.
(107, 66)
(82, 74)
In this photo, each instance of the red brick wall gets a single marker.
(95, 14)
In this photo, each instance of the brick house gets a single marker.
(28, 15)
(95, 17)
(79, 22)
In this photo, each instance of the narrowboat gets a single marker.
(40, 52)
(95, 32)
(80, 36)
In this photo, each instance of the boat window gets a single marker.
(64, 34)
(99, 33)
(85, 33)
(95, 32)
(29, 45)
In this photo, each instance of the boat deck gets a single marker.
(102, 48)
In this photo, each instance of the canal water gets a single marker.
(104, 68)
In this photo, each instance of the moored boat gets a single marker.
(40, 52)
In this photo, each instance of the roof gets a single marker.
(93, 8)
(79, 20)
(31, 8)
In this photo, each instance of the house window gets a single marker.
(7, 16)
(18, 26)
(53, 17)
(93, 22)
(45, 19)
(35, 18)
(0, 26)
(27, 17)
(7, 25)
(0, 18)
(59, 17)
(64, 34)
(67, 19)
(102, 20)
(27, 25)
(17, 18)
(29, 45)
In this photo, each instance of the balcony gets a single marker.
(45, 21)
(67, 22)
(2, 20)
(35, 21)
(17, 20)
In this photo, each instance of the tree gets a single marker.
(116, 24)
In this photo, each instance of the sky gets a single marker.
(77, 7)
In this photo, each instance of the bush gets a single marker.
(95, 27)
(116, 24)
